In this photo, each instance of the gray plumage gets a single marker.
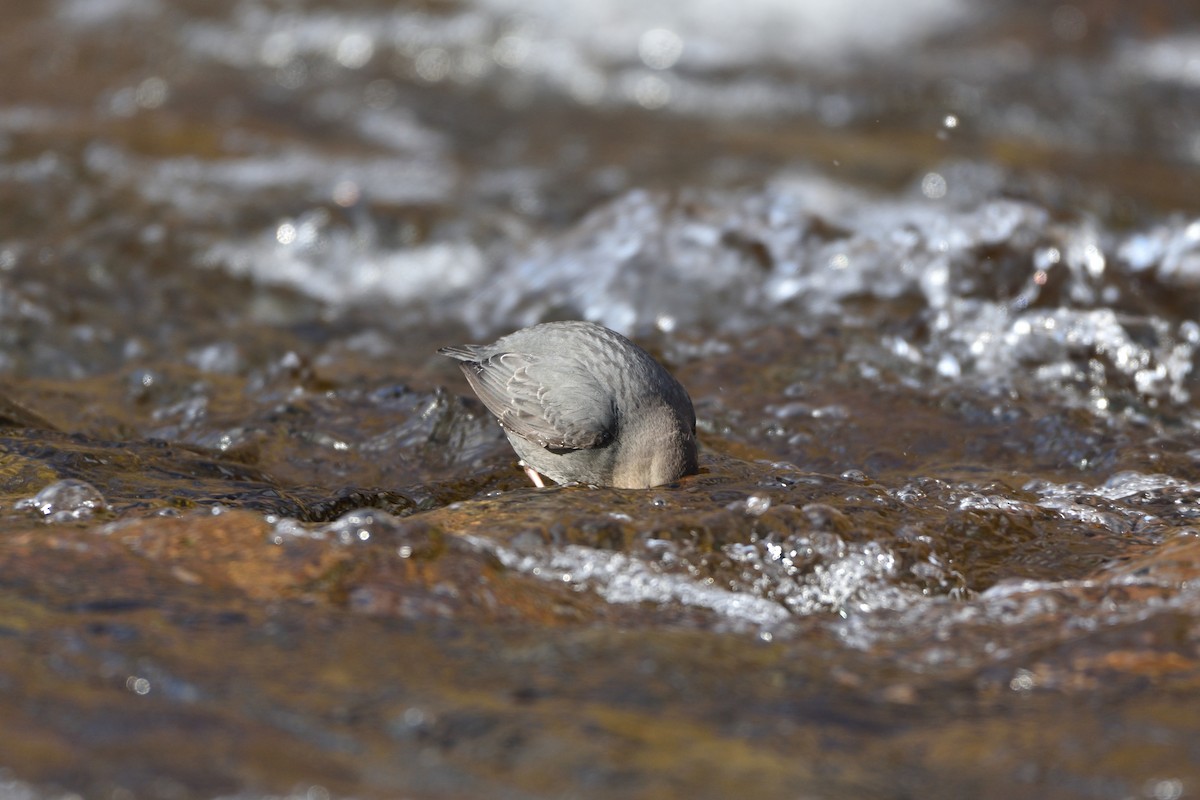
(581, 403)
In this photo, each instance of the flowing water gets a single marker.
(930, 271)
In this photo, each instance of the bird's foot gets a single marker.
(533, 474)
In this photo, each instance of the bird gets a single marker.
(582, 404)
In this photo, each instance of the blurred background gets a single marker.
(174, 169)
(930, 271)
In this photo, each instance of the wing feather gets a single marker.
(551, 401)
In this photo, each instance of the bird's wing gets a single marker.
(549, 401)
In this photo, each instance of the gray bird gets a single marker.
(581, 403)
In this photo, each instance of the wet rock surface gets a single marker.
(931, 281)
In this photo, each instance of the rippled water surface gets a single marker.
(931, 273)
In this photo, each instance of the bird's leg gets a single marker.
(533, 474)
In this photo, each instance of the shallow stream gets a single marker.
(930, 272)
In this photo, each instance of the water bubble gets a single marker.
(433, 64)
(933, 186)
(65, 501)
(949, 367)
(1022, 681)
(286, 232)
(151, 93)
(660, 48)
(355, 50)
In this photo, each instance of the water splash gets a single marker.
(623, 579)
